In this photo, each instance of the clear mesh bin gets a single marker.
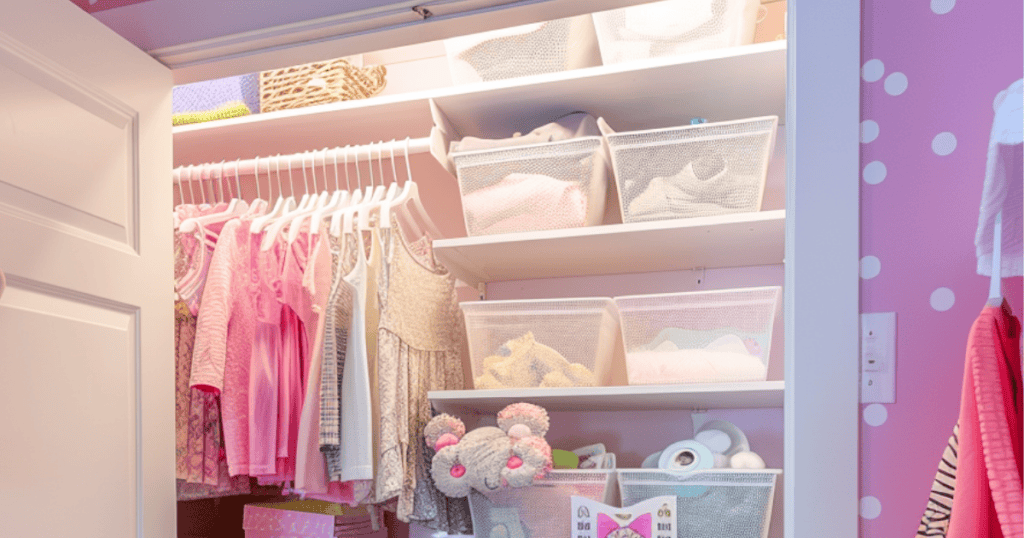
(716, 336)
(693, 171)
(541, 343)
(674, 27)
(535, 187)
(543, 510)
(532, 49)
(733, 503)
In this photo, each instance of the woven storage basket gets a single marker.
(319, 83)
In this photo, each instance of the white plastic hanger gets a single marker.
(995, 285)
(378, 192)
(338, 201)
(337, 217)
(278, 225)
(408, 199)
(235, 209)
(320, 201)
(281, 207)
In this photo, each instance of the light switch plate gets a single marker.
(878, 357)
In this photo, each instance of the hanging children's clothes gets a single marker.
(988, 494)
(224, 336)
(420, 348)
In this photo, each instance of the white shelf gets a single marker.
(765, 394)
(719, 85)
(736, 240)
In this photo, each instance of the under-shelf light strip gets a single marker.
(312, 158)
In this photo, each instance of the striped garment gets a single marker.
(337, 324)
(935, 521)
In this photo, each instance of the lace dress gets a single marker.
(421, 341)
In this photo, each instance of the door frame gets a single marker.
(822, 306)
(821, 477)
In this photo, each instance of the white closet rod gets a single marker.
(316, 158)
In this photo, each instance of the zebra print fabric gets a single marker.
(935, 522)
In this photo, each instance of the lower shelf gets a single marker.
(751, 395)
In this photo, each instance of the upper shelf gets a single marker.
(740, 239)
(719, 85)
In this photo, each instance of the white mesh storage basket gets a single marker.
(693, 171)
(543, 510)
(541, 343)
(719, 336)
(712, 503)
(531, 49)
(536, 187)
(674, 27)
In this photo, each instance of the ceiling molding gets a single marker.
(397, 24)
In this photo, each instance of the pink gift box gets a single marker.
(266, 522)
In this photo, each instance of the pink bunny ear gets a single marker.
(443, 430)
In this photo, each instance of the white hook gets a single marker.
(256, 172)
(359, 175)
(191, 191)
(220, 182)
(337, 184)
(305, 179)
(291, 179)
(181, 190)
(277, 168)
(369, 161)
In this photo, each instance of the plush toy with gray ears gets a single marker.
(489, 458)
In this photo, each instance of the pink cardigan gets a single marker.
(988, 499)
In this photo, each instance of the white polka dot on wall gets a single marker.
(870, 507)
(874, 172)
(870, 266)
(868, 131)
(944, 143)
(941, 7)
(942, 299)
(873, 70)
(875, 414)
(896, 83)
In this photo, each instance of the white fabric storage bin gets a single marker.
(711, 503)
(543, 510)
(674, 27)
(535, 187)
(721, 336)
(541, 343)
(531, 49)
(694, 170)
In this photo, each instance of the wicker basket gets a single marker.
(319, 83)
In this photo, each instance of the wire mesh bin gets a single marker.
(674, 27)
(541, 343)
(531, 49)
(543, 510)
(693, 171)
(715, 336)
(535, 187)
(733, 503)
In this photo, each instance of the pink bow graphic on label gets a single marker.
(607, 527)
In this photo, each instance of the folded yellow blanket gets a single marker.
(228, 110)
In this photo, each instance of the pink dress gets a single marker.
(224, 337)
(264, 387)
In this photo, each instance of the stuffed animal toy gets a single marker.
(489, 458)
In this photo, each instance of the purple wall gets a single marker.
(928, 68)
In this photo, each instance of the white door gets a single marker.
(86, 327)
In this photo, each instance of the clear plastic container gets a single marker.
(531, 49)
(541, 343)
(720, 336)
(674, 27)
(543, 510)
(720, 502)
(536, 187)
(693, 171)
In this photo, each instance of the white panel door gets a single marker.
(86, 330)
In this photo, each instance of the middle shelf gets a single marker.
(761, 394)
(733, 240)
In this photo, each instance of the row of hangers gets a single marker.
(348, 210)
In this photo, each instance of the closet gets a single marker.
(85, 189)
